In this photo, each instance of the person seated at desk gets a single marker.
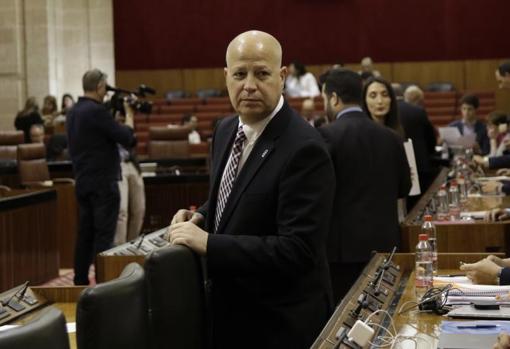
(488, 271)
(470, 123)
(191, 121)
(497, 130)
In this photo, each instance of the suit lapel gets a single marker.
(261, 151)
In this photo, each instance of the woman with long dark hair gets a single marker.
(27, 117)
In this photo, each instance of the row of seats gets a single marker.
(162, 306)
(159, 306)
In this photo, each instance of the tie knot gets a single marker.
(240, 137)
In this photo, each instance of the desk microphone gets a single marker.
(23, 288)
(141, 241)
(362, 304)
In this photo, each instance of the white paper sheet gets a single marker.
(411, 159)
(452, 137)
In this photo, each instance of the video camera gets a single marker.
(116, 103)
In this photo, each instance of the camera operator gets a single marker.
(93, 137)
(131, 187)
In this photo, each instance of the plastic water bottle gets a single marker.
(423, 271)
(462, 189)
(444, 152)
(429, 228)
(454, 200)
(442, 203)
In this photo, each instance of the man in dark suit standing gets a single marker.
(267, 216)
(372, 172)
(93, 136)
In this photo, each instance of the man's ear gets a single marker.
(225, 71)
(283, 73)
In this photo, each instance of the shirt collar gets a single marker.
(348, 110)
(253, 131)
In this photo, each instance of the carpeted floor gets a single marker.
(66, 278)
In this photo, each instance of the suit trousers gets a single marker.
(99, 208)
(132, 204)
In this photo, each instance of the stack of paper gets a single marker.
(463, 291)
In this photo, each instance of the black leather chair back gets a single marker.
(114, 314)
(47, 331)
(176, 298)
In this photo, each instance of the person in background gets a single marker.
(380, 103)
(27, 117)
(300, 83)
(503, 75)
(49, 110)
(191, 121)
(418, 128)
(93, 136)
(37, 133)
(367, 66)
(67, 103)
(415, 96)
(371, 174)
(131, 189)
(471, 124)
(497, 130)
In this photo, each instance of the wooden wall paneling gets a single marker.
(503, 100)
(196, 79)
(67, 223)
(161, 80)
(480, 74)
(424, 73)
(28, 246)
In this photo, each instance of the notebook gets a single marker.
(469, 311)
(462, 286)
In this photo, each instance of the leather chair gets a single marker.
(440, 86)
(114, 314)
(176, 298)
(33, 167)
(47, 331)
(168, 142)
(9, 141)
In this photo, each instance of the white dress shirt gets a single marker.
(306, 86)
(252, 133)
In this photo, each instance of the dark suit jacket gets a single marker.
(502, 161)
(417, 126)
(267, 261)
(93, 135)
(481, 134)
(372, 172)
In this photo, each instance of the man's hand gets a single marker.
(498, 215)
(503, 341)
(129, 113)
(187, 215)
(188, 234)
(484, 272)
(480, 160)
(505, 263)
(503, 172)
(492, 187)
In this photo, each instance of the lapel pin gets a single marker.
(265, 153)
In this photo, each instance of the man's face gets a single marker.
(329, 108)
(468, 112)
(503, 81)
(254, 83)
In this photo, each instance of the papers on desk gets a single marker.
(492, 179)
(411, 159)
(471, 334)
(462, 286)
(452, 136)
(474, 214)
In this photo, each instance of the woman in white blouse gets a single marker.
(300, 83)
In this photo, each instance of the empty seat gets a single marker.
(187, 101)
(168, 142)
(208, 93)
(218, 108)
(199, 149)
(176, 298)
(176, 109)
(175, 118)
(9, 141)
(114, 314)
(440, 86)
(217, 100)
(47, 331)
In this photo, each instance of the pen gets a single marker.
(477, 326)
(450, 275)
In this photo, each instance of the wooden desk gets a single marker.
(459, 236)
(402, 292)
(63, 298)
(28, 239)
